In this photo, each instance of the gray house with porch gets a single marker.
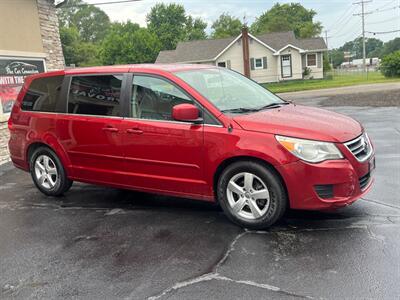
(269, 57)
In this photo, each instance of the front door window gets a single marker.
(286, 65)
(153, 98)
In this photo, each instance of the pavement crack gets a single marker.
(380, 203)
(204, 277)
(262, 286)
(374, 236)
(214, 275)
(229, 250)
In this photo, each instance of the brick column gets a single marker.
(4, 136)
(50, 34)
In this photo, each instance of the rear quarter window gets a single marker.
(43, 94)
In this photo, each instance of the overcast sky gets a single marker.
(335, 15)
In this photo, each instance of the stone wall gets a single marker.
(4, 136)
(50, 34)
(54, 58)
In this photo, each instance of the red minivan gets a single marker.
(194, 131)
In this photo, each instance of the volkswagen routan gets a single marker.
(192, 131)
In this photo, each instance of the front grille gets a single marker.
(324, 191)
(360, 147)
(364, 181)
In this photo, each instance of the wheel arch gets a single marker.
(225, 163)
(57, 149)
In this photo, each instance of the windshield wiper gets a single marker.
(240, 110)
(273, 105)
(247, 109)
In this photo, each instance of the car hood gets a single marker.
(302, 122)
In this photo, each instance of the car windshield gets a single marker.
(229, 91)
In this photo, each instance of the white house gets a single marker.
(268, 57)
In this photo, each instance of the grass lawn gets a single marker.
(338, 80)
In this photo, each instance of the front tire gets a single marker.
(48, 173)
(251, 195)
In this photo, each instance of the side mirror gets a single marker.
(186, 113)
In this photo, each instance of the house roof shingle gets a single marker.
(207, 50)
(166, 56)
(201, 50)
(312, 44)
(278, 40)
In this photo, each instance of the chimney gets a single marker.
(246, 52)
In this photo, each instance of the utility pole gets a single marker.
(363, 13)
(326, 41)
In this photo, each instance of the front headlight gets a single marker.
(308, 150)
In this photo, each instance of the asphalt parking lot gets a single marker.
(103, 243)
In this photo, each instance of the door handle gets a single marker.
(110, 129)
(134, 131)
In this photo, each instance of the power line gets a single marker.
(383, 32)
(344, 34)
(98, 3)
(343, 25)
(341, 18)
(385, 21)
(387, 4)
(341, 28)
(382, 10)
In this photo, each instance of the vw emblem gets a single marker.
(363, 141)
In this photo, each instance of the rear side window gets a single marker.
(95, 95)
(43, 94)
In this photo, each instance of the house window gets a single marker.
(311, 60)
(258, 63)
(222, 64)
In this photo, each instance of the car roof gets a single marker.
(170, 68)
(139, 67)
(151, 68)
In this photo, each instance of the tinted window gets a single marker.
(95, 95)
(153, 98)
(43, 94)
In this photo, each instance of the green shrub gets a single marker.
(390, 65)
(327, 65)
(306, 72)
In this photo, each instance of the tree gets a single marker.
(69, 39)
(390, 65)
(286, 17)
(372, 47)
(75, 50)
(195, 29)
(327, 66)
(127, 43)
(390, 47)
(226, 26)
(171, 25)
(91, 22)
(337, 57)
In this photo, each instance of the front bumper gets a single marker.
(349, 180)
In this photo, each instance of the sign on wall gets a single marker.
(12, 74)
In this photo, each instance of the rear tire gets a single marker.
(48, 173)
(251, 195)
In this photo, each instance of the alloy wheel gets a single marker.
(46, 172)
(248, 196)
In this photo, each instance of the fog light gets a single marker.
(324, 191)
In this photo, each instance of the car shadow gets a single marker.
(89, 196)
